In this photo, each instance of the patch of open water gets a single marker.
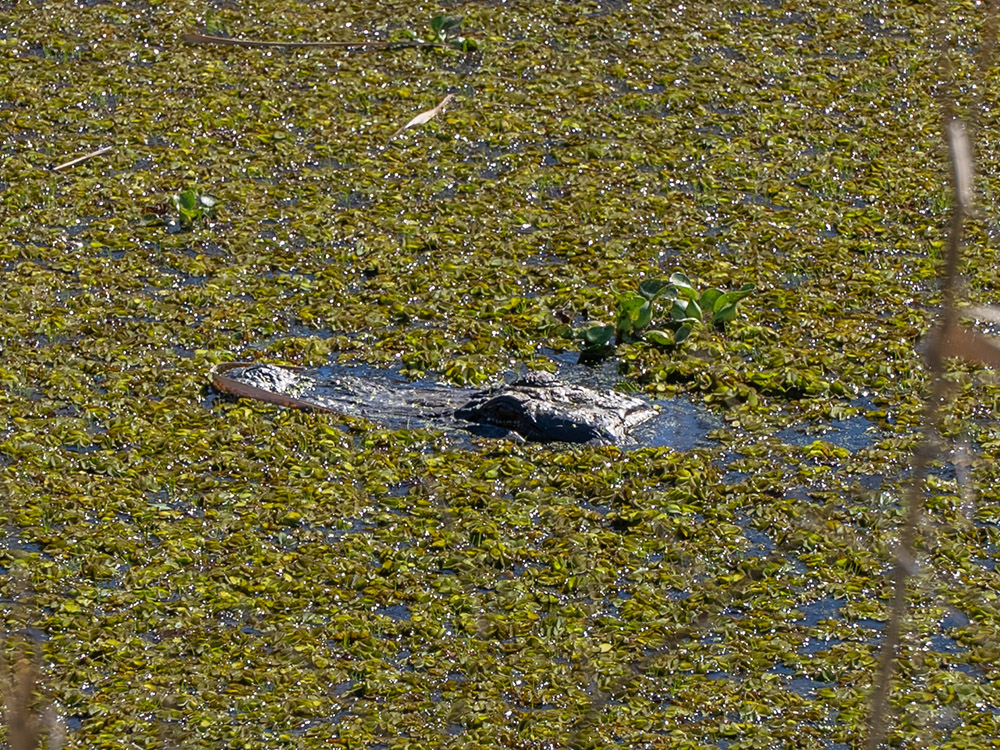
(852, 433)
(682, 423)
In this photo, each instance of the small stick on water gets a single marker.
(81, 159)
(232, 41)
(425, 117)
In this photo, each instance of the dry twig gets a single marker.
(27, 722)
(81, 159)
(950, 340)
(193, 38)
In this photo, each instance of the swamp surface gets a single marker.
(205, 572)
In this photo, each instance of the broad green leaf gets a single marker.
(653, 288)
(679, 310)
(631, 314)
(680, 279)
(725, 314)
(187, 200)
(682, 333)
(444, 24)
(708, 298)
(623, 325)
(644, 316)
(596, 337)
(660, 338)
(683, 285)
(631, 303)
(732, 297)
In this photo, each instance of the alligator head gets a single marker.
(541, 408)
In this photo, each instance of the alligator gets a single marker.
(537, 407)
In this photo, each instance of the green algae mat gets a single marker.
(197, 571)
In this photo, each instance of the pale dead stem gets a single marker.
(950, 340)
(28, 719)
(425, 117)
(85, 157)
(193, 38)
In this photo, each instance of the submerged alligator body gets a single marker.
(537, 407)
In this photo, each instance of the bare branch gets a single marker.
(193, 38)
(85, 157)
(961, 163)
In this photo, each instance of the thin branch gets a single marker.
(232, 41)
(85, 157)
(938, 351)
(903, 568)
(27, 713)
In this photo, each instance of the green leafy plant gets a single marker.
(193, 206)
(216, 26)
(446, 30)
(189, 207)
(685, 308)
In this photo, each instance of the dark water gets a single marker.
(852, 433)
(682, 424)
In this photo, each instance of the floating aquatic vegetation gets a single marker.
(232, 574)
